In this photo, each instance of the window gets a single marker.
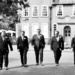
(44, 11)
(35, 11)
(73, 10)
(25, 27)
(35, 26)
(59, 10)
(44, 29)
(53, 0)
(55, 28)
(25, 12)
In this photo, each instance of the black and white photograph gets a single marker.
(37, 37)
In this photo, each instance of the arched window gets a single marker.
(59, 10)
(35, 11)
(73, 10)
(25, 12)
(55, 28)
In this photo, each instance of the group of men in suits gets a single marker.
(38, 41)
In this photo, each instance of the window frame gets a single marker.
(42, 24)
(25, 24)
(37, 24)
(42, 10)
(23, 12)
(57, 10)
(73, 9)
(33, 6)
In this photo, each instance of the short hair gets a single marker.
(60, 35)
(23, 31)
(3, 31)
(57, 32)
(39, 29)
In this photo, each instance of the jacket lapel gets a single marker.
(20, 38)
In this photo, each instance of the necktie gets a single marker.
(3, 38)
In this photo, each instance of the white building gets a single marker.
(36, 16)
(63, 19)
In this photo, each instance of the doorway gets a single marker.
(67, 34)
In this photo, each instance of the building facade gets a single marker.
(34, 17)
(63, 19)
(49, 16)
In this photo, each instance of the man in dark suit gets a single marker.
(4, 50)
(73, 46)
(38, 42)
(22, 45)
(57, 45)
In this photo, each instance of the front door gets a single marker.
(67, 34)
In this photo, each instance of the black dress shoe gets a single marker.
(22, 65)
(37, 64)
(0, 68)
(6, 68)
(57, 64)
(25, 65)
(41, 64)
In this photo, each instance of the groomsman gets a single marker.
(38, 42)
(57, 45)
(4, 49)
(73, 46)
(23, 46)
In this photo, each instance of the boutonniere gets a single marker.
(40, 36)
(24, 38)
(6, 37)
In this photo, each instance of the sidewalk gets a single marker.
(49, 68)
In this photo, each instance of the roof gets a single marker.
(66, 1)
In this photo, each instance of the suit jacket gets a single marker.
(57, 44)
(73, 43)
(4, 44)
(38, 42)
(22, 44)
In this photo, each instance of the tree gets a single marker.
(8, 10)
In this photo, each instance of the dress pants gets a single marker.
(23, 56)
(41, 55)
(74, 55)
(5, 59)
(1, 60)
(57, 55)
(37, 53)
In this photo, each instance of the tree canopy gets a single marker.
(8, 10)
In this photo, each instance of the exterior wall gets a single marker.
(39, 20)
(18, 29)
(67, 19)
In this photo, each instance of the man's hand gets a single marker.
(18, 50)
(12, 50)
(71, 48)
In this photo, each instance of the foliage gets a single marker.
(8, 10)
